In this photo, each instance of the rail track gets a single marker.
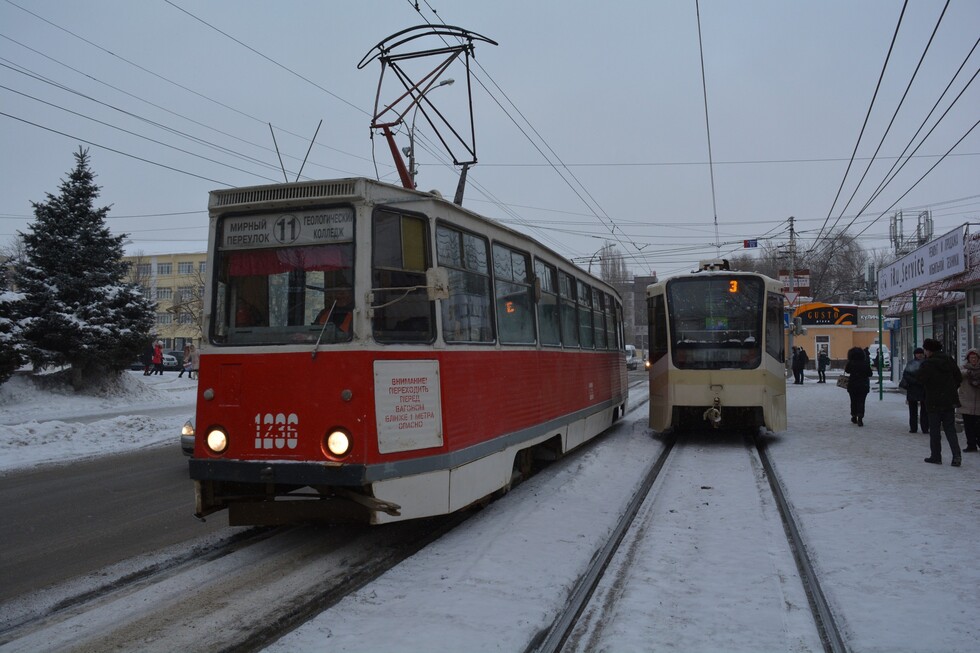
(604, 593)
(237, 595)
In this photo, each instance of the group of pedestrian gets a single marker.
(799, 361)
(936, 387)
(152, 359)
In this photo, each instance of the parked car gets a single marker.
(187, 438)
(631, 358)
(179, 355)
(170, 362)
(886, 363)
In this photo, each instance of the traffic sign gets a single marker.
(791, 298)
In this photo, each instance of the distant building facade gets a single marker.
(176, 283)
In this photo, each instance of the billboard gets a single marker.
(937, 259)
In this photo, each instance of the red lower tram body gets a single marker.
(430, 432)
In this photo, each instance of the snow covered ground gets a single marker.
(895, 540)
(41, 424)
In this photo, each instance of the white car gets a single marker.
(886, 363)
(187, 438)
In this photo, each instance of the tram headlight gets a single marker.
(217, 440)
(337, 443)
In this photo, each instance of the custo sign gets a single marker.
(817, 314)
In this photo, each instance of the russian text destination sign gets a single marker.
(317, 227)
(937, 259)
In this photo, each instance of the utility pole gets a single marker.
(792, 277)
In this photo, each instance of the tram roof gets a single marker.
(352, 189)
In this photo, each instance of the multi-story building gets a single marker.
(176, 283)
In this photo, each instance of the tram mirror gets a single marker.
(437, 283)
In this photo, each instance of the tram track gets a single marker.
(594, 601)
(236, 596)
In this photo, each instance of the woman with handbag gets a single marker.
(859, 382)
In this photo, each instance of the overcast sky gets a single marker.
(589, 117)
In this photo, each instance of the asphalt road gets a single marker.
(63, 521)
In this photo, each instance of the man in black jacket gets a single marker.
(941, 377)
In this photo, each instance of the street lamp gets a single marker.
(410, 150)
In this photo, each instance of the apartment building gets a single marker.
(176, 283)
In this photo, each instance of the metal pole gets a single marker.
(792, 275)
(881, 354)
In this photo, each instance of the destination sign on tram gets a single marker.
(315, 227)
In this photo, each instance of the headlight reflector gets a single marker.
(337, 443)
(217, 440)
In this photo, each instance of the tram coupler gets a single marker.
(713, 414)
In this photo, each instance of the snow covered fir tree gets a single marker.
(11, 343)
(77, 309)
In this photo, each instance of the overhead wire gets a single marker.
(707, 124)
(867, 116)
(153, 73)
(612, 228)
(893, 171)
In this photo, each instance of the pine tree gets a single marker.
(11, 341)
(78, 310)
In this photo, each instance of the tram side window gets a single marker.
(400, 257)
(512, 283)
(657, 321)
(599, 319)
(585, 333)
(569, 319)
(612, 331)
(774, 327)
(466, 314)
(548, 316)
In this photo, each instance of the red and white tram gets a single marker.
(377, 353)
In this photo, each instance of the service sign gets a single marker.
(317, 227)
(408, 405)
(937, 259)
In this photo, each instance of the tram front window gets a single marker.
(716, 322)
(290, 294)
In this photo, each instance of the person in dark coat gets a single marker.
(941, 377)
(146, 358)
(823, 362)
(859, 382)
(800, 360)
(915, 394)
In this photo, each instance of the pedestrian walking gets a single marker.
(970, 400)
(941, 379)
(915, 394)
(186, 363)
(157, 358)
(858, 384)
(823, 362)
(195, 361)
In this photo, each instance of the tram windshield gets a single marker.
(299, 292)
(716, 322)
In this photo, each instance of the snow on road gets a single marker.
(894, 539)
